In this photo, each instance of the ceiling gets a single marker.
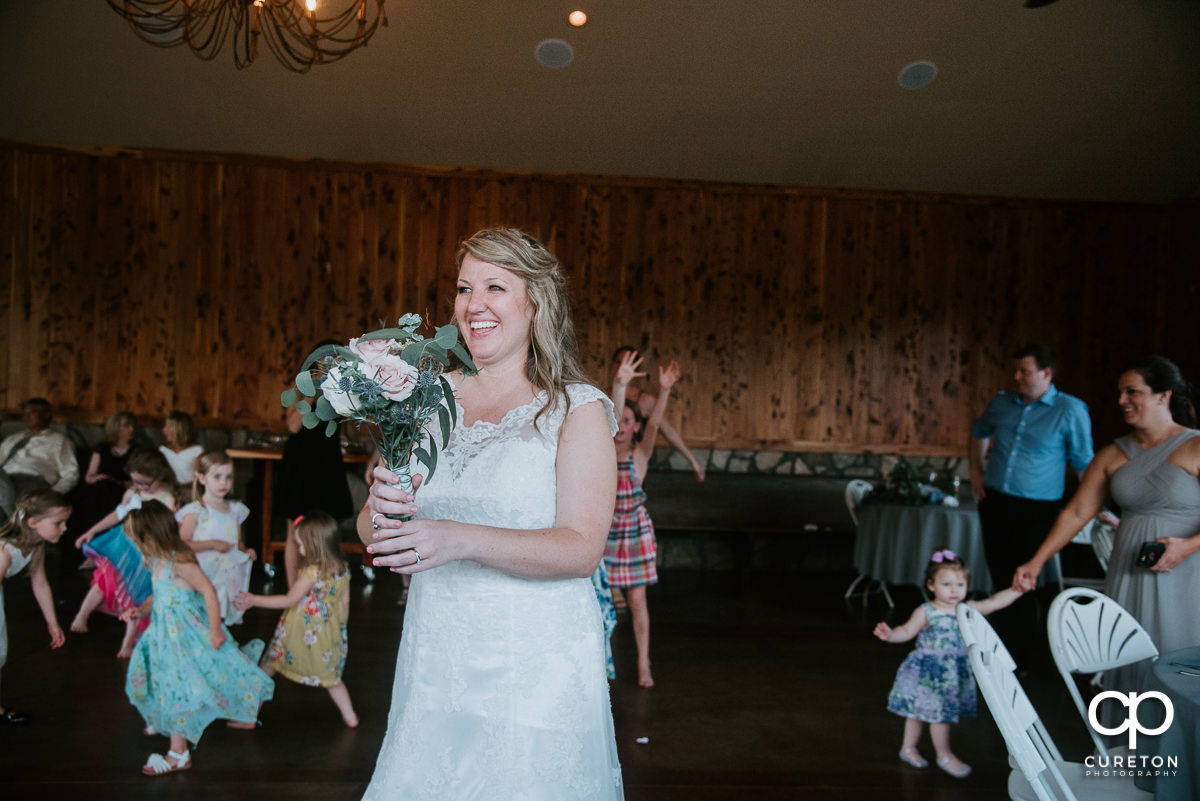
(1081, 99)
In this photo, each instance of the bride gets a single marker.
(500, 689)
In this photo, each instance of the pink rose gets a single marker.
(397, 376)
(372, 350)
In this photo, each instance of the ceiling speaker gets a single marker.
(918, 74)
(554, 53)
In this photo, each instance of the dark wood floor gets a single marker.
(770, 687)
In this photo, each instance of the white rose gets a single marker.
(344, 403)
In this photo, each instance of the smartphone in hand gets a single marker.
(1150, 553)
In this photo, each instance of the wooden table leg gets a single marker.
(268, 553)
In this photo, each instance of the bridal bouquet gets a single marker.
(390, 380)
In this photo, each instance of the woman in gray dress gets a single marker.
(1154, 476)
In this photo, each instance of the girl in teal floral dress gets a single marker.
(185, 671)
(309, 646)
(934, 684)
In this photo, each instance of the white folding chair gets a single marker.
(1089, 633)
(1100, 537)
(1040, 775)
(1102, 543)
(856, 490)
(976, 631)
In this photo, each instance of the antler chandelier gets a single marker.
(296, 31)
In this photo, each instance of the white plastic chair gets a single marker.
(1100, 537)
(976, 631)
(1039, 775)
(1089, 633)
(1102, 543)
(856, 490)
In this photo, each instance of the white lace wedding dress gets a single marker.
(500, 691)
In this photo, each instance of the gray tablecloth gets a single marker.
(894, 542)
(1182, 738)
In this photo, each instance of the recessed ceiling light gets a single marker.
(554, 53)
(917, 75)
(577, 18)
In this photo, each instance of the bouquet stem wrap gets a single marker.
(403, 482)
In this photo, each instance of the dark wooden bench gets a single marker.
(750, 521)
(747, 502)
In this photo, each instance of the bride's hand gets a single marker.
(384, 498)
(412, 547)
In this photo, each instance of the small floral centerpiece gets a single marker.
(902, 486)
(391, 381)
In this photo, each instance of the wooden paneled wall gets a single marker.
(804, 319)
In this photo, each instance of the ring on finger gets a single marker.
(417, 554)
(375, 525)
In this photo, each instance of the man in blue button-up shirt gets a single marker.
(1032, 434)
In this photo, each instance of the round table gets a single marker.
(894, 541)
(1182, 738)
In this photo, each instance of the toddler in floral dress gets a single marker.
(309, 646)
(934, 684)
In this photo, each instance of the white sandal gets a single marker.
(962, 771)
(157, 765)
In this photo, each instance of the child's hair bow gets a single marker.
(123, 509)
(944, 555)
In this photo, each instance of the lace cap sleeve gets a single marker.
(240, 511)
(586, 393)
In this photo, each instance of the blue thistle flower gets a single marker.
(369, 391)
(427, 378)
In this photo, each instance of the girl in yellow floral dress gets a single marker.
(309, 646)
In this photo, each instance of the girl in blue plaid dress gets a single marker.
(631, 549)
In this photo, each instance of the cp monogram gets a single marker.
(1130, 700)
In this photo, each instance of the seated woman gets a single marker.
(181, 449)
(106, 479)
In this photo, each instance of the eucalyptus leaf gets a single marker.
(288, 397)
(432, 457)
(303, 406)
(304, 383)
(412, 352)
(386, 333)
(446, 336)
(444, 419)
(325, 409)
(437, 352)
(448, 394)
(328, 350)
(423, 456)
(310, 420)
(464, 356)
(331, 428)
